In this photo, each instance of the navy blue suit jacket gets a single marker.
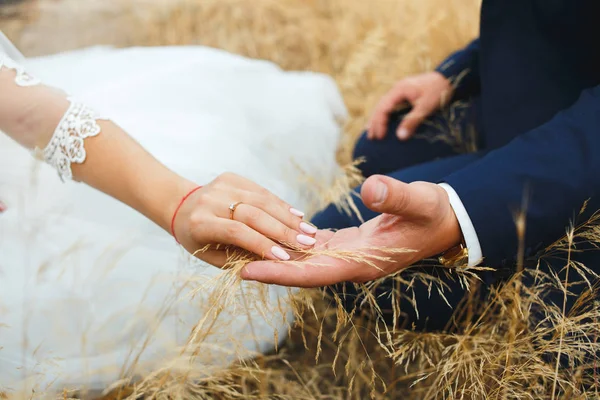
(536, 71)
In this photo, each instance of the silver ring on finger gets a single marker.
(232, 208)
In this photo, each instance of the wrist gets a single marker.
(452, 230)
(158, 192)
(180, 190)
(444, 231)
(447, 88)
(441, 76)
(456, 254)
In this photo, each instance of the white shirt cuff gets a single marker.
(466, 226)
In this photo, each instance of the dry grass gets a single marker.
(365, 45)
(515, 345)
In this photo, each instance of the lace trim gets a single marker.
(77, 124)
(22, 78)
(66, 146)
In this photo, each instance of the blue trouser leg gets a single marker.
(431, 141)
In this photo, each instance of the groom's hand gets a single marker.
(416, 217)
(426, 93)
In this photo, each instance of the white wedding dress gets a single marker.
(88, 287)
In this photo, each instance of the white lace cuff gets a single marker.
(67, 143)
(77, 124)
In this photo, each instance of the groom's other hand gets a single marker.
(426, 93)
(417, 217)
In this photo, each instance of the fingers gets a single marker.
(315, 272)
(237, 188)
(379, 121)
(412, 121)
(390, 196)
(425, 92)
(260, 222)
(235, 233)
(272, 227)
(281, 211)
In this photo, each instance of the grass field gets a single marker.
(365, 46)
(504, 352)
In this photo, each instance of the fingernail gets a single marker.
(381, 192)
(280, 253)
(297, 213)
(2, 207)
(307, 228)
(402, 133)
(306, 240)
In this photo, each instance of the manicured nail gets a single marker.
(280, 253)
(381, 192)
(306, 240)
(307, 228)
(402, 133)
(2, 207)
(297, 213)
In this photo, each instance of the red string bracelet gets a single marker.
(177, 210)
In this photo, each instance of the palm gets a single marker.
(352, 254)
(370, 251)
(422, 227)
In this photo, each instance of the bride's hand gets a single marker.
(262, 223)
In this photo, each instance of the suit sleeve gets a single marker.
(462, 68)
(553, 169)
